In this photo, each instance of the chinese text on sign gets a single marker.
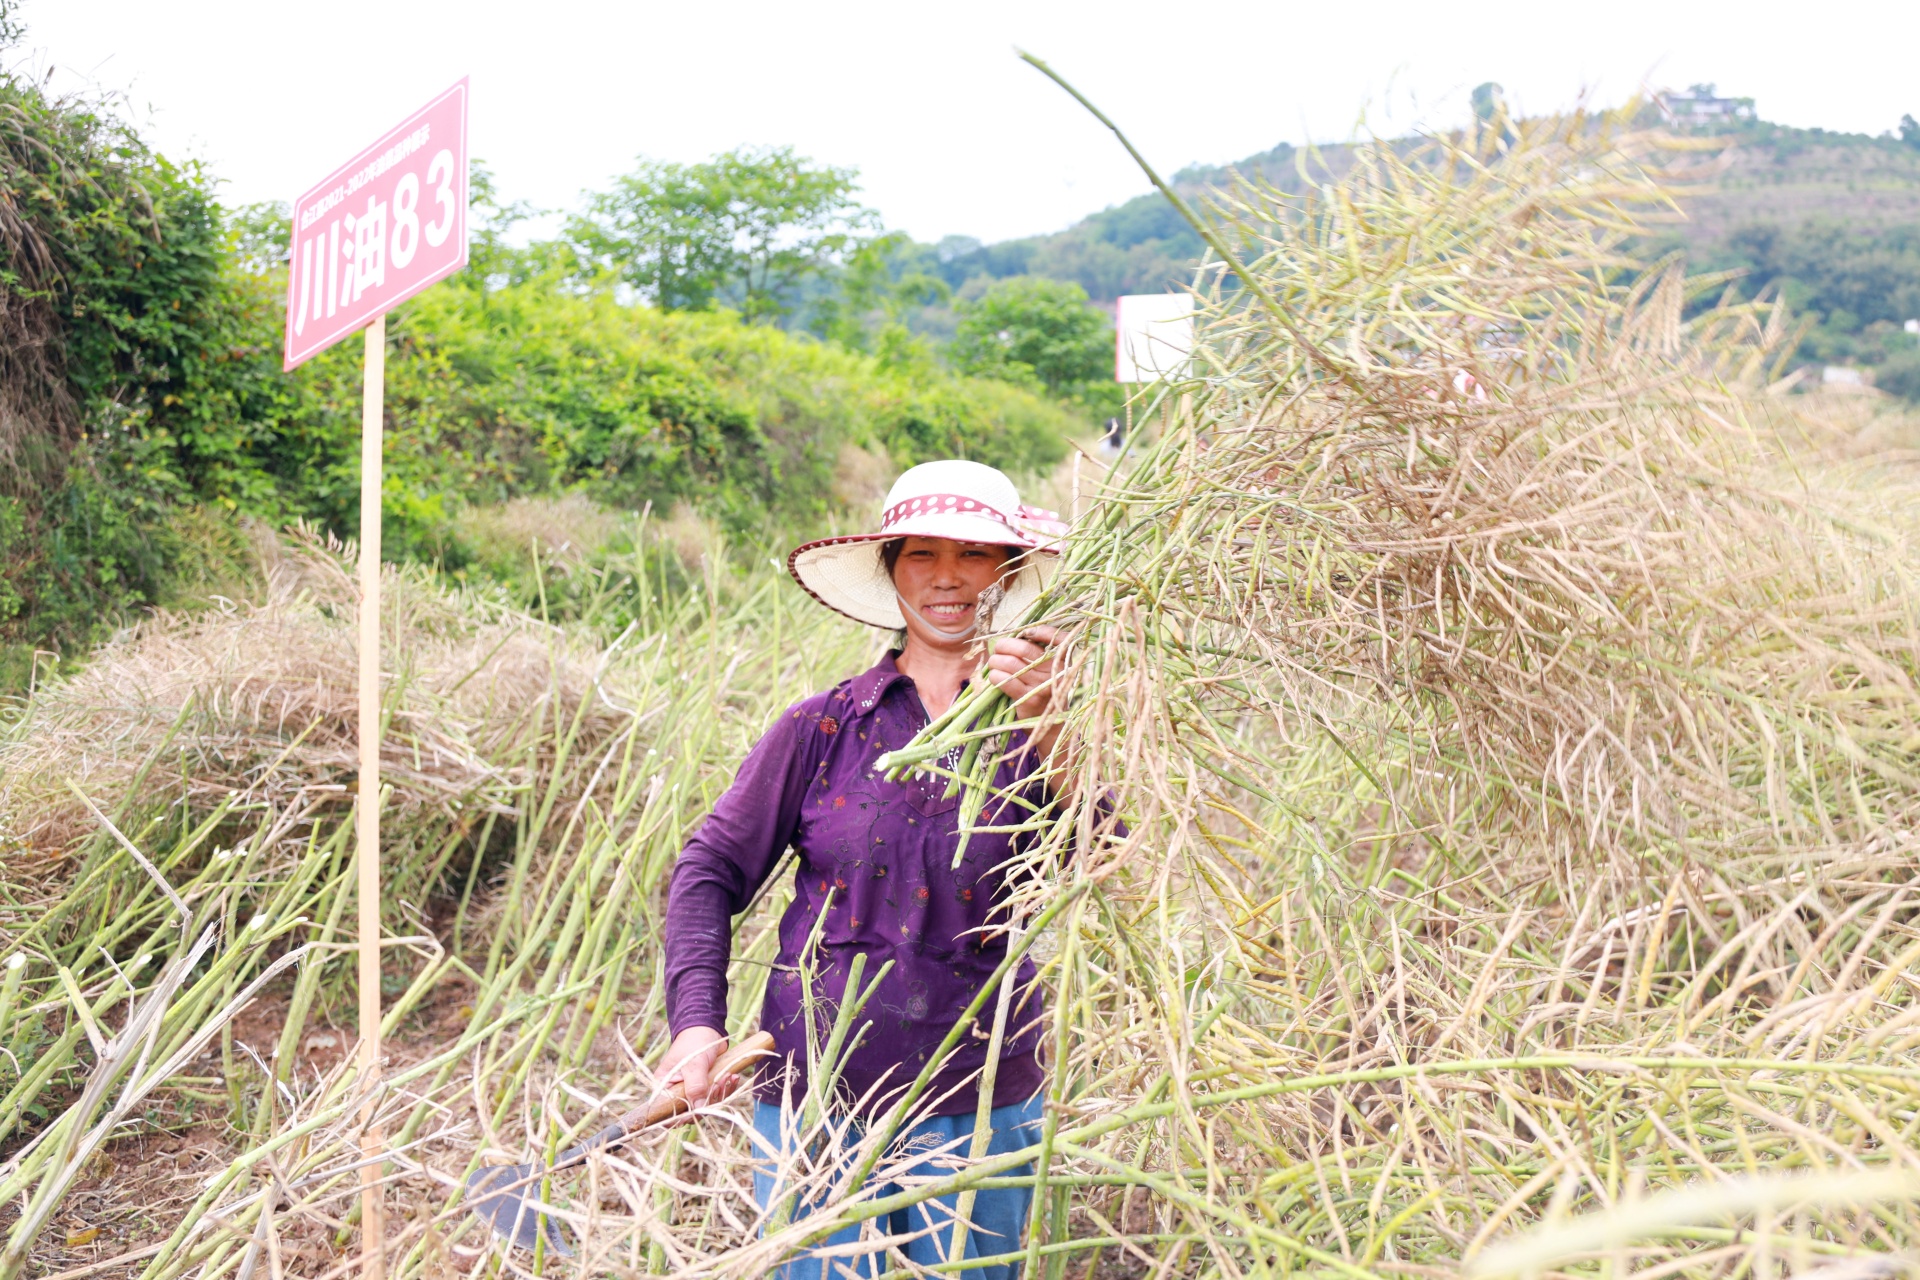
(380, 228)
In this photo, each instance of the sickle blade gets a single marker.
(507, 1197)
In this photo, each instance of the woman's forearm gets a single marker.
(721, 867)
(698, 945)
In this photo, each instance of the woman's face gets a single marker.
(940, 581)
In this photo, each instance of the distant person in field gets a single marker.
(874, 858)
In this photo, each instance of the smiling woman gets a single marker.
(877, 887)
(943, 585)
(949, 500)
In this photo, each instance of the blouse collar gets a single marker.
(870, 686)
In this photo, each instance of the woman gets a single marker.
(875, 858)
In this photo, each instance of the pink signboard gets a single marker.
(380, 228)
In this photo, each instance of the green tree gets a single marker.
(742, 229)
(866, 304)
(1848, 275)
(1032, 329)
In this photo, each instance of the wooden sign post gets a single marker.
(373, 1226)
(373, 233)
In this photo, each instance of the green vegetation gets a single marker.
(1899, 373)
(143, 411)
(1828, 221)
(135, 371)
(1855, 286)
(529, 388)
(1852, 279)
(744, 229)
(1033, 330)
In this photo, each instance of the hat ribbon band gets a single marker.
(941, 504)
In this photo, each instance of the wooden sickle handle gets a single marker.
(671, 1102)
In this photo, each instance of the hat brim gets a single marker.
(847, 575)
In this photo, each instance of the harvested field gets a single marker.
(1508, 702)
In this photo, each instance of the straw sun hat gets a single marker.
(964, 501)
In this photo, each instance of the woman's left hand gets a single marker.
(1022, 668)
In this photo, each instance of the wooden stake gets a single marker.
(373, 1226)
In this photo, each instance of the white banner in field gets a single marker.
(1153, 336)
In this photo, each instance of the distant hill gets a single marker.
(1783, 176)
(1775, 175)
(1830, 220)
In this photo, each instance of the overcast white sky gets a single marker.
(951, 133)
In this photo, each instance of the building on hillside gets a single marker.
(1701, 108)
(1843, 378)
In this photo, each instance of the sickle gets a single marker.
(507, 1196)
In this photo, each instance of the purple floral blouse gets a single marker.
(880, 854)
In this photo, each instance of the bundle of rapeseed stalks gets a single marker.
(1517, 732)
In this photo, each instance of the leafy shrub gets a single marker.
(519, 390)
(1900, 375)
(1031, 329)
(811, 398)
(530, 389)
(134, 375)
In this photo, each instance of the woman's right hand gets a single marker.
(690, 1059)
